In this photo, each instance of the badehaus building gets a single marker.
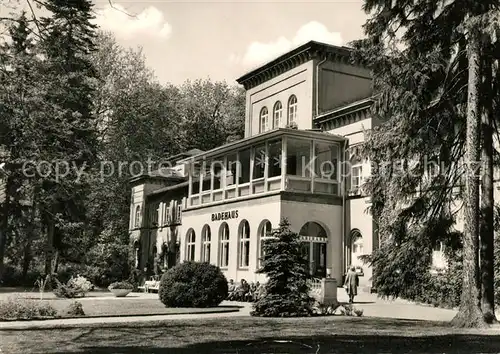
(307, 114)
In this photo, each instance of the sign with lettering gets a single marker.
(225, 215)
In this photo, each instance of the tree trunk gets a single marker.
(49, 245)
(27, 254)
(4, 223)
(487, 199)
(469, 314)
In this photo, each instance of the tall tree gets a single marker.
(470, 304)
(487, 185)
(69, 135)
(21, 101)
(211, 112)
(419, 58)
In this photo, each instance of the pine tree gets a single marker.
(470, 305)
(286, 291)
(21, 100)
(422, 102)
(69, 133)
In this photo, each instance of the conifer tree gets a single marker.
(419, 56)
(69, 134)
(21, 101)
(286, 292)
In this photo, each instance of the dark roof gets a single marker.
(294, 58)
(352, 107)
(262, 137)
(168, 173)
(169, 188)
(157, 175)
(185, 154)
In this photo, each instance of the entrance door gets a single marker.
(314, 241)
(315, 254)
(319, 259)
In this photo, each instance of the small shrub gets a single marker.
(25, 309)
(347, 310)
(358, 312)
(74, 309)
(321, 309)
(75, 287)
(193, 284)
(121, 285)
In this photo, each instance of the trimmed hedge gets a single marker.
(193, 284)
(25, 309)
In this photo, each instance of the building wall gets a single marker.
(298, 82)
(355, 132)
(359, 219)
(329, 217)
(254, 211)
(357, 216)
(341, 83)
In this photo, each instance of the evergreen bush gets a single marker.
(193, 284)
(287, 290)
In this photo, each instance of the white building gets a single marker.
(312, 175)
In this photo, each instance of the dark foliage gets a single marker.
(193, 284)
(121, 285)
(286, 292)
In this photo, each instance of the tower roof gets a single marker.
(292, 59)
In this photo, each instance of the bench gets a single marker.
(151, 285)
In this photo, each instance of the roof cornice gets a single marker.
(306, 52)
(361, 105)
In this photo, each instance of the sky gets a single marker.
(222, 40)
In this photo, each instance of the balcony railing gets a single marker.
(265, 186)
(304, 162)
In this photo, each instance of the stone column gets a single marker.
(329, 291)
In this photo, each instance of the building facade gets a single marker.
(307, 115)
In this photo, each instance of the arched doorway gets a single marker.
(355, 248)
(314, 241)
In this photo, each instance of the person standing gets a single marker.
(351, 284)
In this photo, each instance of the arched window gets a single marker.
(244, 244)
(224, 246)
(277, 114)
(190, 243)
(205, 247)
(264, 234)
(137, 219)
(313, 229)
(264, 119)
(292, 109)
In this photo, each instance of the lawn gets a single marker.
(101, 304)
(255, 335)
(130, 307)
